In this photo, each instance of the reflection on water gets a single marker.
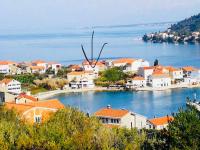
(156, 103)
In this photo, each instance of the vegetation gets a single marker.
(66, 129)
(113, 75)
(187, 30)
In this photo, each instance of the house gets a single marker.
(129, 64)
(35, 112)
(81, 79)
(159, 123)
(136, 81)
(98, 66)
(75, 68)
(54, 66)
(36, 69)
(40, 63)
(24, 98)
(174, 73)
(146, 72)
(188, 70)
(10, 86)
(7, 67)
(159, 79)
(121, 118)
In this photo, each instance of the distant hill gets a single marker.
(185, 31)
(188, 25)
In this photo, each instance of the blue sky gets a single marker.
(44, 14)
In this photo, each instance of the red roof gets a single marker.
(85, 62)
(189, 68)
(6, 81)
(6, 62)
(162, 120)
(123, 60)
(113, 113)
(23, 95)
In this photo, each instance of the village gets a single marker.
(142, 76)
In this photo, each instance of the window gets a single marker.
(38, 119)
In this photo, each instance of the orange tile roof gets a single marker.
(37, 67)
(148, 68)
(85, 62)
(23, 95)
(6, 81)
(6, 62)
(162, 120)
(189, 68)
(53, 103)
(170, 68)
(138, 78)
(124, 60)
(109, 112)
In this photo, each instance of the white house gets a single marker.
(159, 123)
(36, 69)
(158, 80)
(98, 66)
(54, 66)
(40, 63)
(6, 67)
(174, 73)
(121, 118)
(129, 64)
(188, 70)
(146, 72)
(137, 81)
(10, 85)
(81, 79)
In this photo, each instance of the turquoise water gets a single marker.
(63, 45)
(150, 104)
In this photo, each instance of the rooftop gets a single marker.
(112, 113)
(124, 60)
(162, 120)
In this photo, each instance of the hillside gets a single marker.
(185, 31)
(188, 25)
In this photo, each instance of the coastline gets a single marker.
(45, 95)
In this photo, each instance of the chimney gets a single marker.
(108, 106)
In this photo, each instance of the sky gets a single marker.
(47, 14)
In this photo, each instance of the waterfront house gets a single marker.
(25, 98)
(98, 66)
(121, 118)
(136, 81)
(174, 73)
(159, 123)
(129, 64)
(159, 79)
(188, 70)
(81, 79)
(35, 112)
(10, 86)
(146, 72)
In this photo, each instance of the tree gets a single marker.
(156, 62)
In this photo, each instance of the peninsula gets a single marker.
(185, 31)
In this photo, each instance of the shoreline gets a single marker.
(45, 95)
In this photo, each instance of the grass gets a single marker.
(37, 90)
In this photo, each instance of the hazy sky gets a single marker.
(28, 14)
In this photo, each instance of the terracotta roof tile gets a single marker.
(6, 81)
(37, 67)
(22, 95)
(162, 120)
(189, 68)
(124, 60)
(138, 78)
(109, 112)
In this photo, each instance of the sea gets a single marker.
(64, 46)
